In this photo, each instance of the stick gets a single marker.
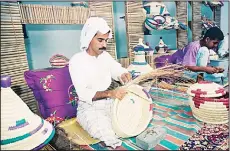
(137, 95)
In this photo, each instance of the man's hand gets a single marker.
(211, 70)
(118, 93)
(125, 78)
(219, 70)
(207, 69)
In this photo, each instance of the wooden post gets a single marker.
(181, 13)
(196, 20)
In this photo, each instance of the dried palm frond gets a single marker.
(165, 85)
(182, 79)
(173, 70)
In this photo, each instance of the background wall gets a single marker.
(189, 19)
(44, 41)
(120, 29)
(207, 12)
(224, 18)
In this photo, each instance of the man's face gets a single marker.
(210, 44)
(98, 43)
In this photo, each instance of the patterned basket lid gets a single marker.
(206, 89)
(132, 114)
(58, 61)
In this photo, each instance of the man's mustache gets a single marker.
(103, 48)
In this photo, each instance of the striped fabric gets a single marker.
(178, 121)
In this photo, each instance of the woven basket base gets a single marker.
(210, 121)
(215, 107)
(211, 116)
(213, 104)
(210, 113)
(209, 109)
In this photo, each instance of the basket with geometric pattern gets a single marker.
(209, 102)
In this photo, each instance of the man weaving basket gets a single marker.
(91, 72)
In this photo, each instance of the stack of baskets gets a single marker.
(209, 102)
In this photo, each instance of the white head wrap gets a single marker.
(91, 27)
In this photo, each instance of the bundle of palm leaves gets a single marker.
(171, 71)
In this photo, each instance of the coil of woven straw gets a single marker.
(209, 117)
(209, 112)
(132, 114)
(218, 105)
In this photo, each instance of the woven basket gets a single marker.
(213, 104)
(218, 109)
(132, 114)
(58, 61)
(209, 117)
(208, 104)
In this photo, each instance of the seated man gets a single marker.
(223, 52)
(91, 71)
(188, 55)
(202, 60)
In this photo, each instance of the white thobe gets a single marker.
(90, 74)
